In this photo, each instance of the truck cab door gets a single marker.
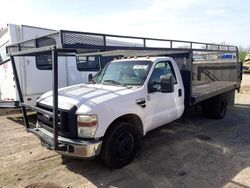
(163, 107)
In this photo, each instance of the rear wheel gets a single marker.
(120, 145)
(215, 107)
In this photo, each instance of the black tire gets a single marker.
(120, 145)
(215, 107)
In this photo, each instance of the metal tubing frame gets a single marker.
(55, 96)
(241, 69)
(25, 118)
(61, 44)
(38, 109)
(23, 106)
(191, 77)
(139, 38)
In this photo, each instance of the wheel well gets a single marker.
(130, 118)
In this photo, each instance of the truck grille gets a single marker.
(67, 125)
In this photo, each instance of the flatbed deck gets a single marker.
(202, 90)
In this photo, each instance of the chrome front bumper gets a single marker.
(9, 104)
(70, 147)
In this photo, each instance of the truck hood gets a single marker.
(86, 96)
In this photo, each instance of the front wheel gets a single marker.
(120, 145)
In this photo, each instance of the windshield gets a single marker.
(124, 73)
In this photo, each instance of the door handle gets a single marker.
(179, 92)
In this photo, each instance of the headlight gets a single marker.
(87, 125)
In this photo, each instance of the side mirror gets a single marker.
(90, 77)
(167, 83)
(151, 88)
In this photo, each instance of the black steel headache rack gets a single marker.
(88, 42)
(68, 43)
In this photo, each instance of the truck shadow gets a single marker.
(191, 152)
(18, 118)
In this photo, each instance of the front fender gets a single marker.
(113, 113)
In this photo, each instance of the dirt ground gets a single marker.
(191, 152)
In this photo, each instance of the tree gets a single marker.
(243, 53)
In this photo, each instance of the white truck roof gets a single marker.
(145, 58)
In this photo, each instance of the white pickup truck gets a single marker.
(124, 101)
(128, 97)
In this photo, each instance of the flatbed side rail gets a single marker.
(215, 88)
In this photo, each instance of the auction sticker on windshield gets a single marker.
(140, 66)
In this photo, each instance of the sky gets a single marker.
(195, 20)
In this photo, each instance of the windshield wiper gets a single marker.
(115, 82)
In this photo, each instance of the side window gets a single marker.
(93, 63)
(87, 63)
(161, 68)
(44, 62)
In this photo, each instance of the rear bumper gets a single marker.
(70, 147)
(9, 104)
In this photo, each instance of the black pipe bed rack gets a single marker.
(72, 42)
(84, 42)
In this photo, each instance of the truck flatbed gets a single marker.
(202, 90)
